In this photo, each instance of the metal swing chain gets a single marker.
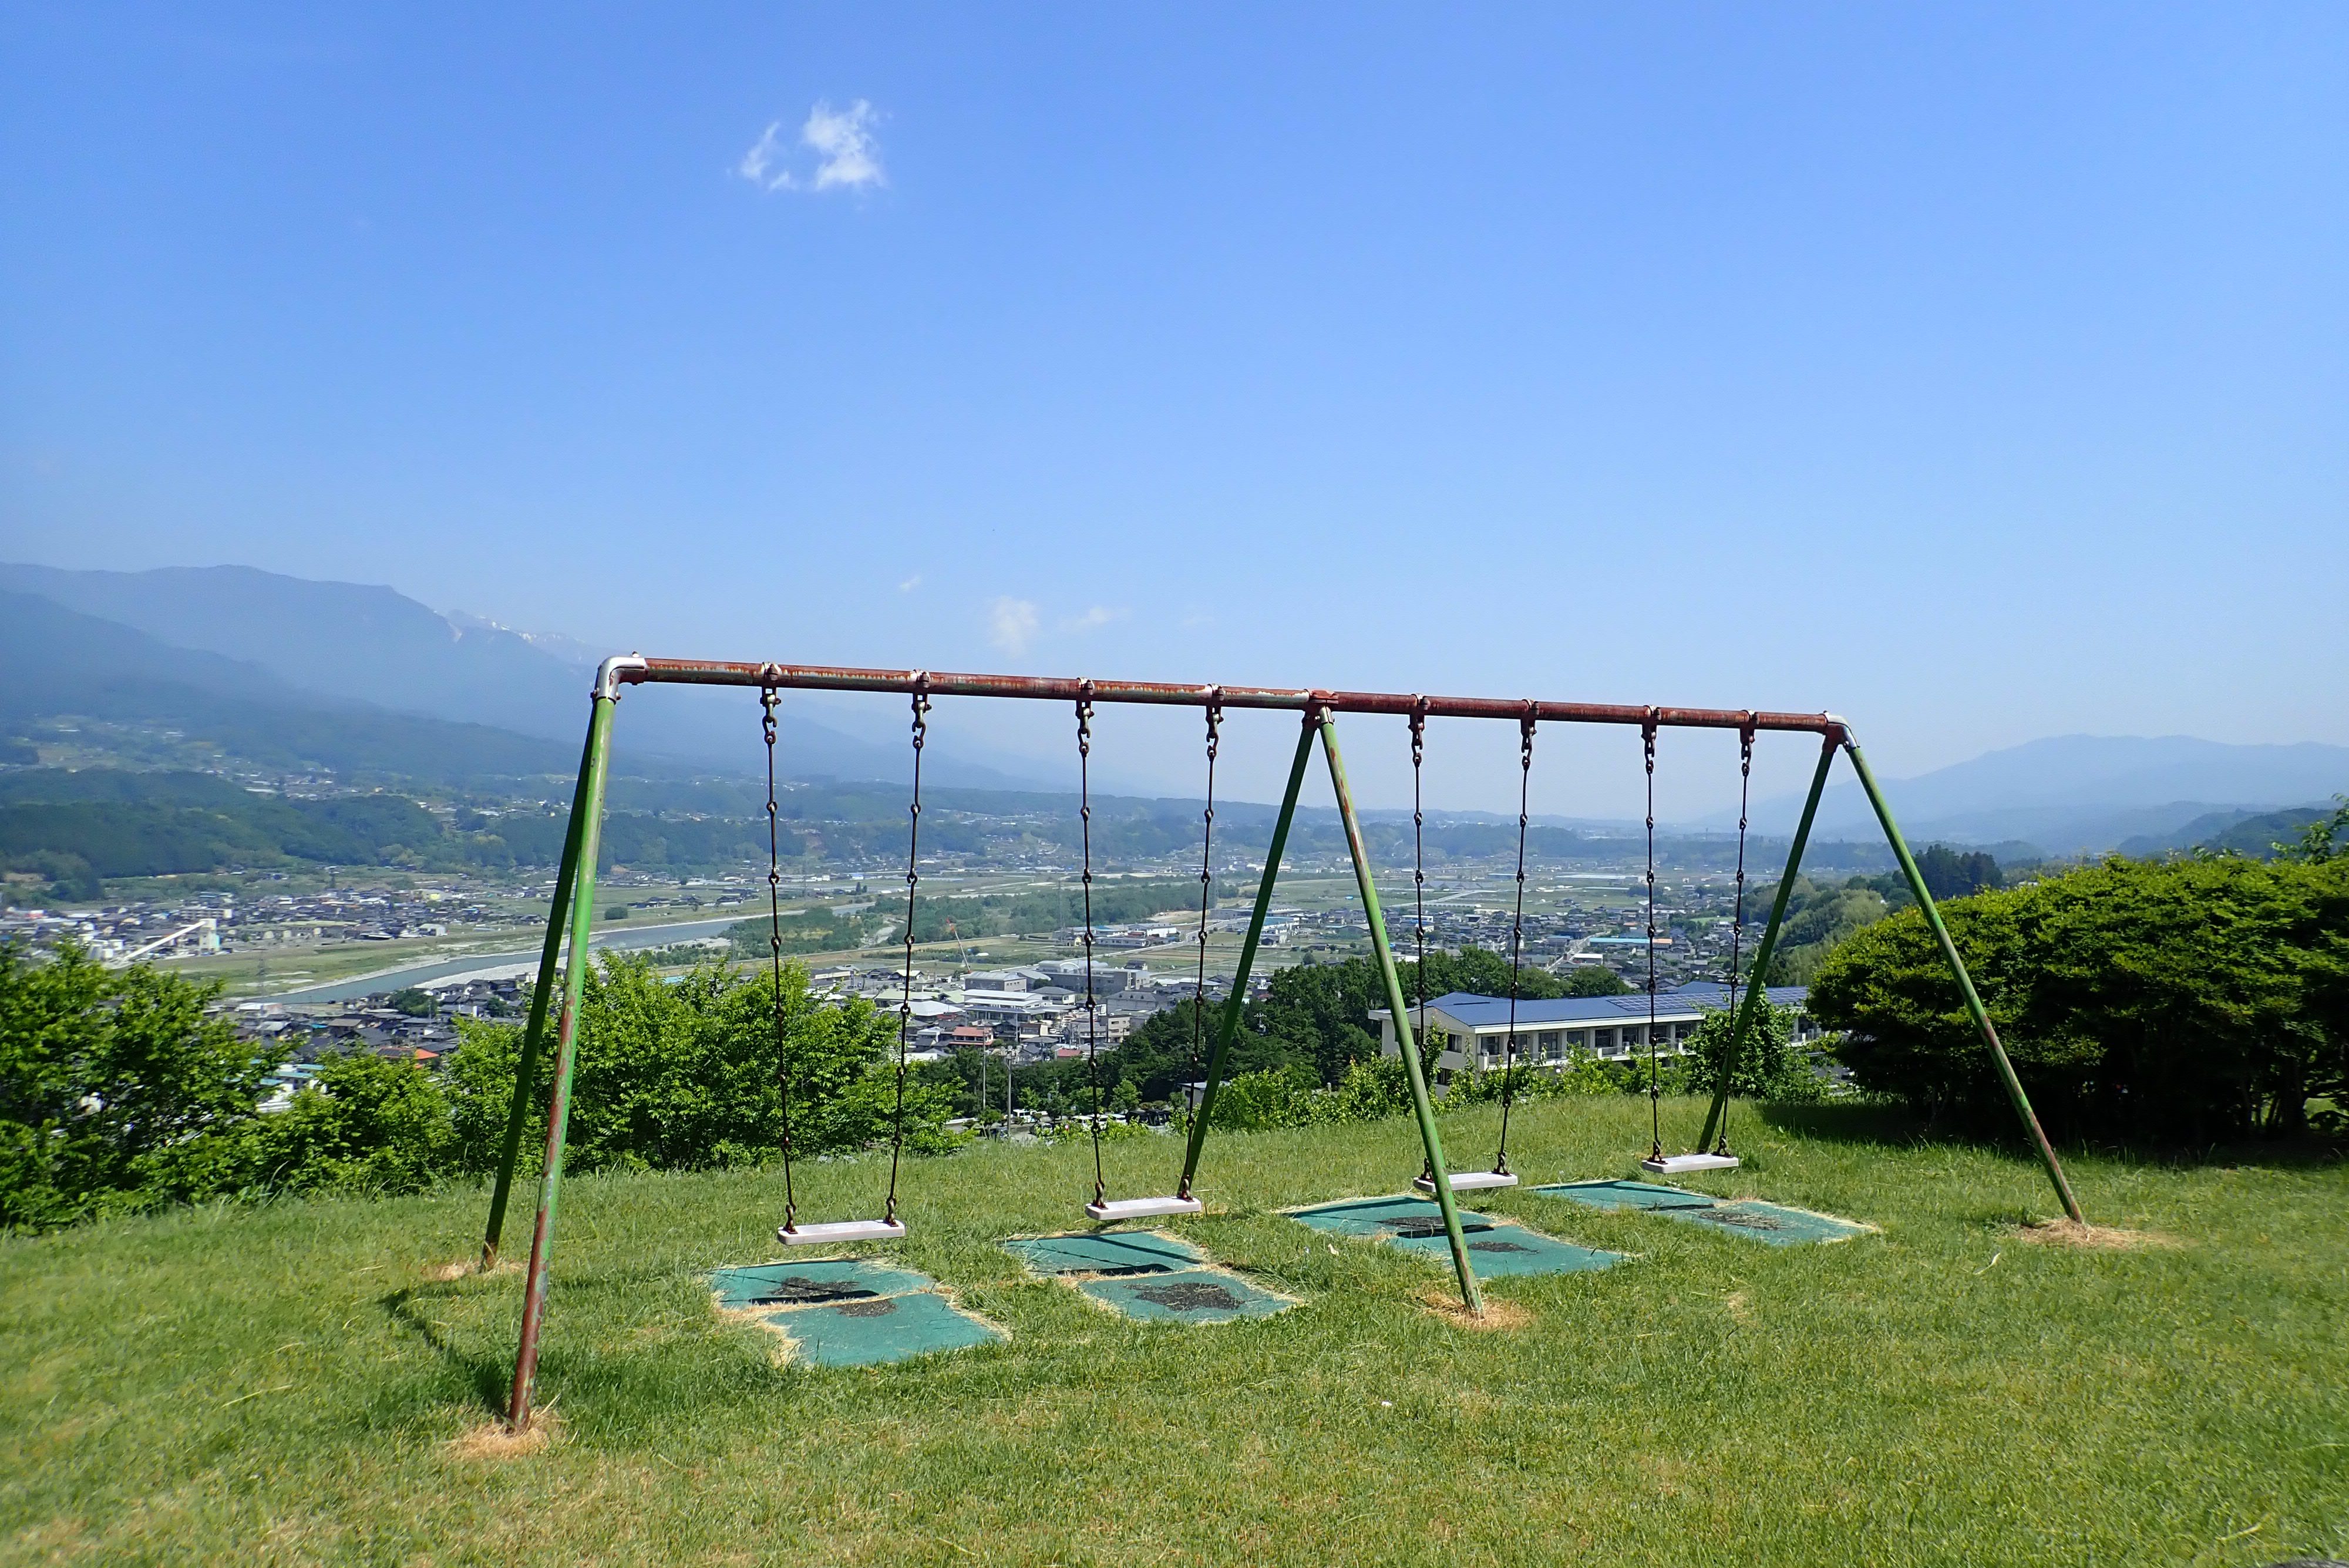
(1419, 883)
(1517, 932)
(1737, 918)
(1206, 897)
(913, 875)
(1085, 828)
(1655, 1090)
(769, 697)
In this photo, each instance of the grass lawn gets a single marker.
(284, 1384)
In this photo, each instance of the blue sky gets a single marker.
(1978, 373)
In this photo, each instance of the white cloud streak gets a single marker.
(1012, 625)
(1094, 619)
(761, 157)
(847, 155)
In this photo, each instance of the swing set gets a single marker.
(573, 907)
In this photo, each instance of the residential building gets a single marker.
(1464, 1030)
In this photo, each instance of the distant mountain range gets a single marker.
(257, 641)
(289, 673)
(2069, 793)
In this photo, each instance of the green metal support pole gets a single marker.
(1716, 1120)
(2022, 1101)
(1237, 1003)
(534, 1033)
(1470, 1296)
(566, 1040)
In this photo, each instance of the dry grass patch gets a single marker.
(1498, 1313)
(2093, 1238)
(492, 1442)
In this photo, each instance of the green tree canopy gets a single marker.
(685, 1075)
(2187, 1000)
(116, 1091)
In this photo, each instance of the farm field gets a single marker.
(296, 1383)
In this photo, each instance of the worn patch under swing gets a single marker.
(1146, 1274)
(1496, 1247)
(1771, 1222)
(850, 1311)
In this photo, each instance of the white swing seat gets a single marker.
(1676, 1164)
(1468, 1181)
(1141, 1208)
(840, 1230)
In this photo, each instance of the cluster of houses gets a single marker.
(1034, 1012)
(304, 1034)
(1038, 1012)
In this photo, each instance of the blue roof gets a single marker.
(1492, 1011)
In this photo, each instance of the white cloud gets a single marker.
(910, 583)
(1012, 625)
(847, 155)
(1094, 619)
(761, 157)
(843, 143)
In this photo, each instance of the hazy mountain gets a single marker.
(2243, 832)
(376, 646)
(62, 662)
(2071, 793)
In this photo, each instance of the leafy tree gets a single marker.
(684, 1076)
(1253, 1102)
(1593, 979)
(362, 1124)
(2186, 1000)
(2320, 841)
(116, 1091)
(415, 1001)
(1956, 873)
(1766, 1065)
(1820, 918)
(1480, 972)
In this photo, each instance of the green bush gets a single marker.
(683, 1076)
(362, 1125)
(1766, 1065)
(2193, 1000)
(1253, 1102)
(115, 1092)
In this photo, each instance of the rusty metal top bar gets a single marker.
(633, 672)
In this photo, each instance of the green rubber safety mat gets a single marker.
(1187, 1295)
(1148, 1274)
(850, 1311)
(884, 1328)
(814, 1282)
(1770, 1222)
(1496, 1247)
(1106, 1252)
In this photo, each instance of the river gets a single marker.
(521, 960)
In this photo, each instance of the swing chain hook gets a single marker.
(1525, 722)
(1419, 886)
(769, 696)
(1655, 1086)
(1746, 731)
(1418, 821)
(1206, 899)
(1093, 1014)
(920, 699)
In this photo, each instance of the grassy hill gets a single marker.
(289, 1383)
